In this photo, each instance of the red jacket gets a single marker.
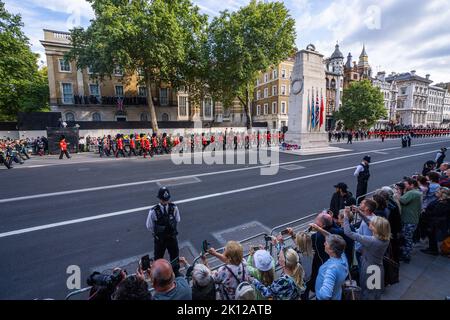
(120, 144)
(132, 144)
(63, 145)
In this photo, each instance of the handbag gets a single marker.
(391, 269)
(350, 289)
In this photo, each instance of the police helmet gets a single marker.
(164, 194)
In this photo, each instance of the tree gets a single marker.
(243, 43)
(158, 38)
(362, 106)
(22, 86)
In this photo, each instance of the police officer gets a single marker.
(363, 174)
(440, 156)
(162, 220)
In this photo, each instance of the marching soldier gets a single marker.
(132, 146)
(162, 221)
(120, 146)
(63, 148)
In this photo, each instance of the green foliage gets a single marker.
(160, 37)
(362, 106)
(243, 43)
(23, 88)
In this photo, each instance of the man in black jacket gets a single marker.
(341, 199)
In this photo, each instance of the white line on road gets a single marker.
(123, 185)
(208, 196)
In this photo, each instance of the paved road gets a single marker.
(91, 213)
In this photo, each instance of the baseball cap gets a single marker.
(263, 260)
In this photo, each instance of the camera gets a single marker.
(284, 232)
(267, 238)
(146, 262)
(98, 279)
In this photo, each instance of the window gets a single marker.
(119, 91)
(283, 74)
(142, 91)
(266, 92)
(207, 108)
(165, 117)
(67, 92)
(96, 116)
(266, 77)
(266, 108)
(144, 117)
(94, 91)
(275, 74)
(274, 125)
(355, 77)
(274, 107)
(70, 116)
(64, 66)
(182, 106)
(257, 82)
(258, 95)
(118, 71)
(283, 90)
(283, 107)
(258, 110)
(290, 75)
(274, 90)
(403, 90)
(164, 96)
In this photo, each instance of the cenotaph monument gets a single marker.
(306, 124)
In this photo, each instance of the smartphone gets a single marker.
(145, 262)
(205, 246)
(284, 232)
(256, 248)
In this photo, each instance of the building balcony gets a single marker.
(78, 100)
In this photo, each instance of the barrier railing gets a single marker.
(256, 240)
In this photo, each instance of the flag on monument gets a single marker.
(308, 116)
(321, 110)
(317, 116)
(313, 121)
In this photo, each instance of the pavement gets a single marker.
(90, 212)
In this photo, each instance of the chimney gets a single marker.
(413, 72)
(427, 76)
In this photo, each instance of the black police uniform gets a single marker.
(363, 179)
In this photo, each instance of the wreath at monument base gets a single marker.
(286, 146)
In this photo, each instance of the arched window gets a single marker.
(165, 117)
(96, 116)
(144, 117)
(333, 83)
(70, 116)
(327, 83)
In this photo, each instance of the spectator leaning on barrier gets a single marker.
(437, 220)
(395, 221)
(442, 168)
(366, 209)
(428, 167)
(304, 248)
(433, 187)
(325, 221)
(133, 287)
(411, 204)
(289, 285)
(233, 272)
(341, 198)
(373, 250)
(332, 274)
(349, 243)
(167, 284)
(203, 286)
(261, 266)
(381, 210)
(445, 179)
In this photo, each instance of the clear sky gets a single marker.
(400, 35)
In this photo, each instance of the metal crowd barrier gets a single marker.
(301, 224)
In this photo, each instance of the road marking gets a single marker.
(208, 196)
(381, 152)
(123, 185)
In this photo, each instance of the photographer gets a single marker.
(203, 286)
(133, 287)
(104, 285)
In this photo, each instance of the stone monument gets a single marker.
(307, 102)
